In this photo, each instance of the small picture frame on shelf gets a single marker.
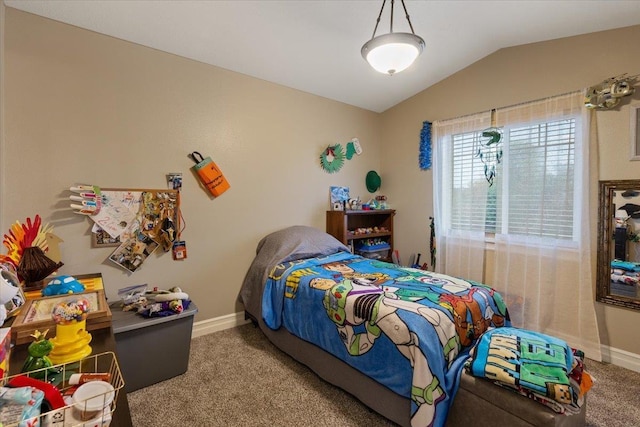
(339, 197)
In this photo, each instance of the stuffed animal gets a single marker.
(164, 303)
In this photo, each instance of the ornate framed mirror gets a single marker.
(618, 270)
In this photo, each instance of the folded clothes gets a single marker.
(621, 272)
(623, 278)
(625, 265)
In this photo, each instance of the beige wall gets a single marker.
(86, 108)
(510, 76)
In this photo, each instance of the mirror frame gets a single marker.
(605, 230)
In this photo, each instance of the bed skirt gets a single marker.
(477, 402)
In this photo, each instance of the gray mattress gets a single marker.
(478, 402)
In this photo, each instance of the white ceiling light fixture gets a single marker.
(393, 52)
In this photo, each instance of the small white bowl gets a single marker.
(93, 396)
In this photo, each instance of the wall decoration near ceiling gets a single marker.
(353, 147)
(333, 157)
(608, 94)
(425, 146)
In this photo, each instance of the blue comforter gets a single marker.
(409, 329)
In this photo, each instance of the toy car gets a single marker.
(62, 285)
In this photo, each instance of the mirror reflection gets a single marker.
(619, 243)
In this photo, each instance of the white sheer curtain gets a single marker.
(537, 210)
(460, 253)
(547, 281)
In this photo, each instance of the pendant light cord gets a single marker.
(378, 20)
(406, 14)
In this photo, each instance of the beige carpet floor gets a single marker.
(237, 377)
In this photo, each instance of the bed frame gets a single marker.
(477, 402)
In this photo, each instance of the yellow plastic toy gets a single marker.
(71, 342)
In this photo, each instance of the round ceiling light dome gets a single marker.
(393, 52)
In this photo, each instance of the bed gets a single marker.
(396, 338)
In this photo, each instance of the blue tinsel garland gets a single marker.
(425, 146)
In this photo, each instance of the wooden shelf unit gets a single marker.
(341, 224)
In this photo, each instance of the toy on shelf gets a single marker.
(71, 342)
(382, 202)
(369, 230)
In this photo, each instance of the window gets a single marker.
(533, 192)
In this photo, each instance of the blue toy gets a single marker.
(62, 285)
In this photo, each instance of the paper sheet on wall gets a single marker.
(119, 211)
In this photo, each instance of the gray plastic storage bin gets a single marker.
(154, 349)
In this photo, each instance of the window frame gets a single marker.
(501, 225)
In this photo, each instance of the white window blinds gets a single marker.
(474, 204)
(540, 197)
(534, 190)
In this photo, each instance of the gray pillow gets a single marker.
(292, 243)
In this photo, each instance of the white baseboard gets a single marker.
(611, 355)
(216, 324)
(621, 358)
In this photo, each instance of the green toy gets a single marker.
(38, 357)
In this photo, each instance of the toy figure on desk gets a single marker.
(71, 342)
(62, 285)
(38, 357)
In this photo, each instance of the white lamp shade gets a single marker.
(393, 52)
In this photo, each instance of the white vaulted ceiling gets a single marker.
(314, 46)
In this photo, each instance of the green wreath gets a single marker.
(332, 158)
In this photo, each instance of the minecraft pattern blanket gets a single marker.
(409, 329)
(536, 365)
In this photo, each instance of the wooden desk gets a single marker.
(102, 341)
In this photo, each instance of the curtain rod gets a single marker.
(512, 105)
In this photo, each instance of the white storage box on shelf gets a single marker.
(379, 251)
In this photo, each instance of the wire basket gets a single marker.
(77, 413)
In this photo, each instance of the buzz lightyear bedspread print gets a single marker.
(410, 330)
